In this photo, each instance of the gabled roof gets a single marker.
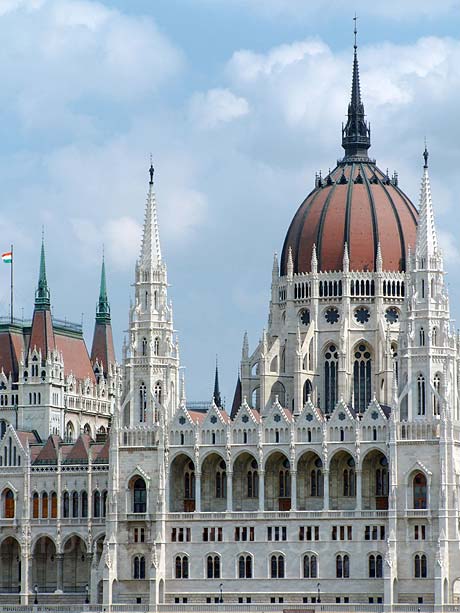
(79, 451)
(49, 452)
(75, 355)
(102, 454)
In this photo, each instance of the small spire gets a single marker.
(314, 260)
(103, 307)
(290, 263)
(182, 389)
(150, 249)
(378, 259)
(42, 295)
(216, 396)
(356, 135)
(346, 259)
(426, 244)
(276, 269)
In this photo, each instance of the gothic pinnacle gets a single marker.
(42, 295)
(103, 307)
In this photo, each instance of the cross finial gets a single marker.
(355, 31)
(425, 155)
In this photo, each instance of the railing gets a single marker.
(274, 515)
(63, 324)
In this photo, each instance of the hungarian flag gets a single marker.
(7, 257)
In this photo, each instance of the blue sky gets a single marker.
(240, 103)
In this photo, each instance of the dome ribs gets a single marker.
(361, 245)
(292, 236)
(319, 239)
(402, 263)
(346, 235)
(375, 225)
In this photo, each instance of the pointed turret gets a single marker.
(237, 399)
(103, 349)
(150, 250)
(426, 246)
(356, 135)
(42, 295)
(216, 395)
(276, 268)
(42, 334)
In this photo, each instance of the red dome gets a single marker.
(356, 204)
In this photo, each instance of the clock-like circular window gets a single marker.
(332, 315)
(305, 317)
(362, 315)
(392, 315)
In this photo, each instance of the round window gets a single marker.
(305, 317)
(392, 315)
(332, 315)
(362, 315)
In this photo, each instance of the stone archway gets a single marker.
(277, 482)
(76, 571)
(182, 484)
(10, 566)
(44, 565)
(310, 482)
(213, 483)
(342, 481)
(245, 484)
(375, 480)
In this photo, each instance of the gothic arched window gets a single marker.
(139, 496)
(142, 402)
(420, 491)
(277, 566)
(342, 566)
(158, 392)
(420, 571)
(144, 346)
(310, 566)
(421, 395)
(331, 384)
(362, 377)
(437, 390)
(375, 566)
(156, 346)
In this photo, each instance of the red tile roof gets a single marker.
(76, 358)
(103, 349)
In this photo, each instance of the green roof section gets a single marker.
(103, 306)
(42, 295)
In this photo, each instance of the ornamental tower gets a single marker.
(151, 359)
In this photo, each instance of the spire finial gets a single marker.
(151, 170)
(356, 136)
(425, 155)
(42, 295)
(216, 395)
(103, 307)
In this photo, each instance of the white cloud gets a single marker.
(449, 247)
(215, 106)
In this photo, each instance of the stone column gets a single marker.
(198, 492)
(261, 490)
(326, 490)
(229, 491)
(359, 488)
(60, 572)
(293, 490)
(89, 560)
(26, 577)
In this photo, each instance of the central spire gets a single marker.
(42, 295)
(103, 307)
(356, 135)
(150, 250)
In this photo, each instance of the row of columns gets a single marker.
(293, 474)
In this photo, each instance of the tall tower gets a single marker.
(151, 358)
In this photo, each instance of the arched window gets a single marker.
(221, 481)
(342, 566)
(53, 505)
(84, 504)
(35, 506)
(375, 566)
(244, 567)
(381, 481)
(44, 505)
(87, 429)
(96, 503)
(144, 346)
(8, 509)
(158, 392)
(307, 390)
(139, 496)
(213, 567)
(139, 567)
(420, 491)
(189, 482)
(277, 566)
(316, 482)
(422, 337)
(362, 377)
(310, 566)
(69, 431)
(65, 504)
(181, 567)
(331, 383)
(420, 567)
(284, 483)
(74, 504)
(142, 402)
(436, 393)
(421, 395)
(252, 490)
(434, 336)
(156, 346)
(278, 390)
(349, 482)
(104, 503)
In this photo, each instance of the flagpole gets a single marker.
(11, 283)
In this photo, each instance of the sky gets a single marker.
(240, 103)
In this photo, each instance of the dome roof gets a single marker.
(356, 204)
